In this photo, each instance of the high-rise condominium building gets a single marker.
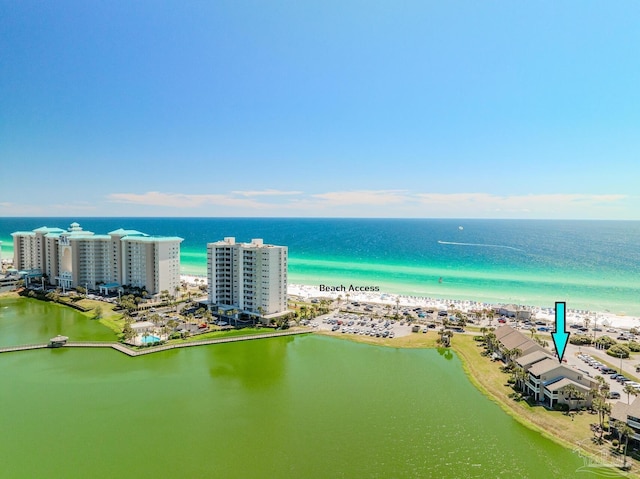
(251, 277)
(76, 257)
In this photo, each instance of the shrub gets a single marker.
(580, 340)
(633, 346)
(481, 339)
(615, 443)
(618, 351)
(560, 407)
(606, 342)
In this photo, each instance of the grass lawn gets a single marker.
(414, 340)
(109, 318)
(223, 334)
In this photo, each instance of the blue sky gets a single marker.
(467, 109)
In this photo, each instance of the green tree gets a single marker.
(53, 296)
(629, 390)
(97, 312)
(625, 431)
(602, 408)
(572, 393)
(127, 332)
(511, 354)
(619, 351)
(445, 337)
(491, 341)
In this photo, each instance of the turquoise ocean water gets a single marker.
(592, 265)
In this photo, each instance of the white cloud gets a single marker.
(46, 209)
(268, 192)
(182, 200)
(525, 206)
(363, 197)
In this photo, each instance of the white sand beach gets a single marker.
(604, 319)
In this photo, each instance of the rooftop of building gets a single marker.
(545, 366)
(532, 358)
(564, 382)
(620, 411)
(231, 241)
(75, 232)
(123, 232)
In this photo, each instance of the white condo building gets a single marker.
(249, 277)
(76, 257)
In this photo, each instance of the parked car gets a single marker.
(614, 395)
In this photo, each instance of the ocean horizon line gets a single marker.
(427, 218)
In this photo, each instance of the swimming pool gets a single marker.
(149, 339)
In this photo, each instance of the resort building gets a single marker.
(29, 248)
(249, 278)
(76, 257)
(629, 414)
(510, 339)
(547, 380)
(513, 311)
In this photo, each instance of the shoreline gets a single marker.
(574, 316)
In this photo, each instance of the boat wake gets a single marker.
(482, 245)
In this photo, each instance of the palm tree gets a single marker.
(540, 341)
(445, 337)
(572, 393)
(519, 376)
(629, 390)
(511, 354)
(623, 430)
(491, 341)
(602, 407)
(490, 315)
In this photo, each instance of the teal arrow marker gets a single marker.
(560, 336)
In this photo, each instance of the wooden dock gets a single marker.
(25, 347)
(129, 351)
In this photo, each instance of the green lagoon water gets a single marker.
(29, 321)
(296, 407)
